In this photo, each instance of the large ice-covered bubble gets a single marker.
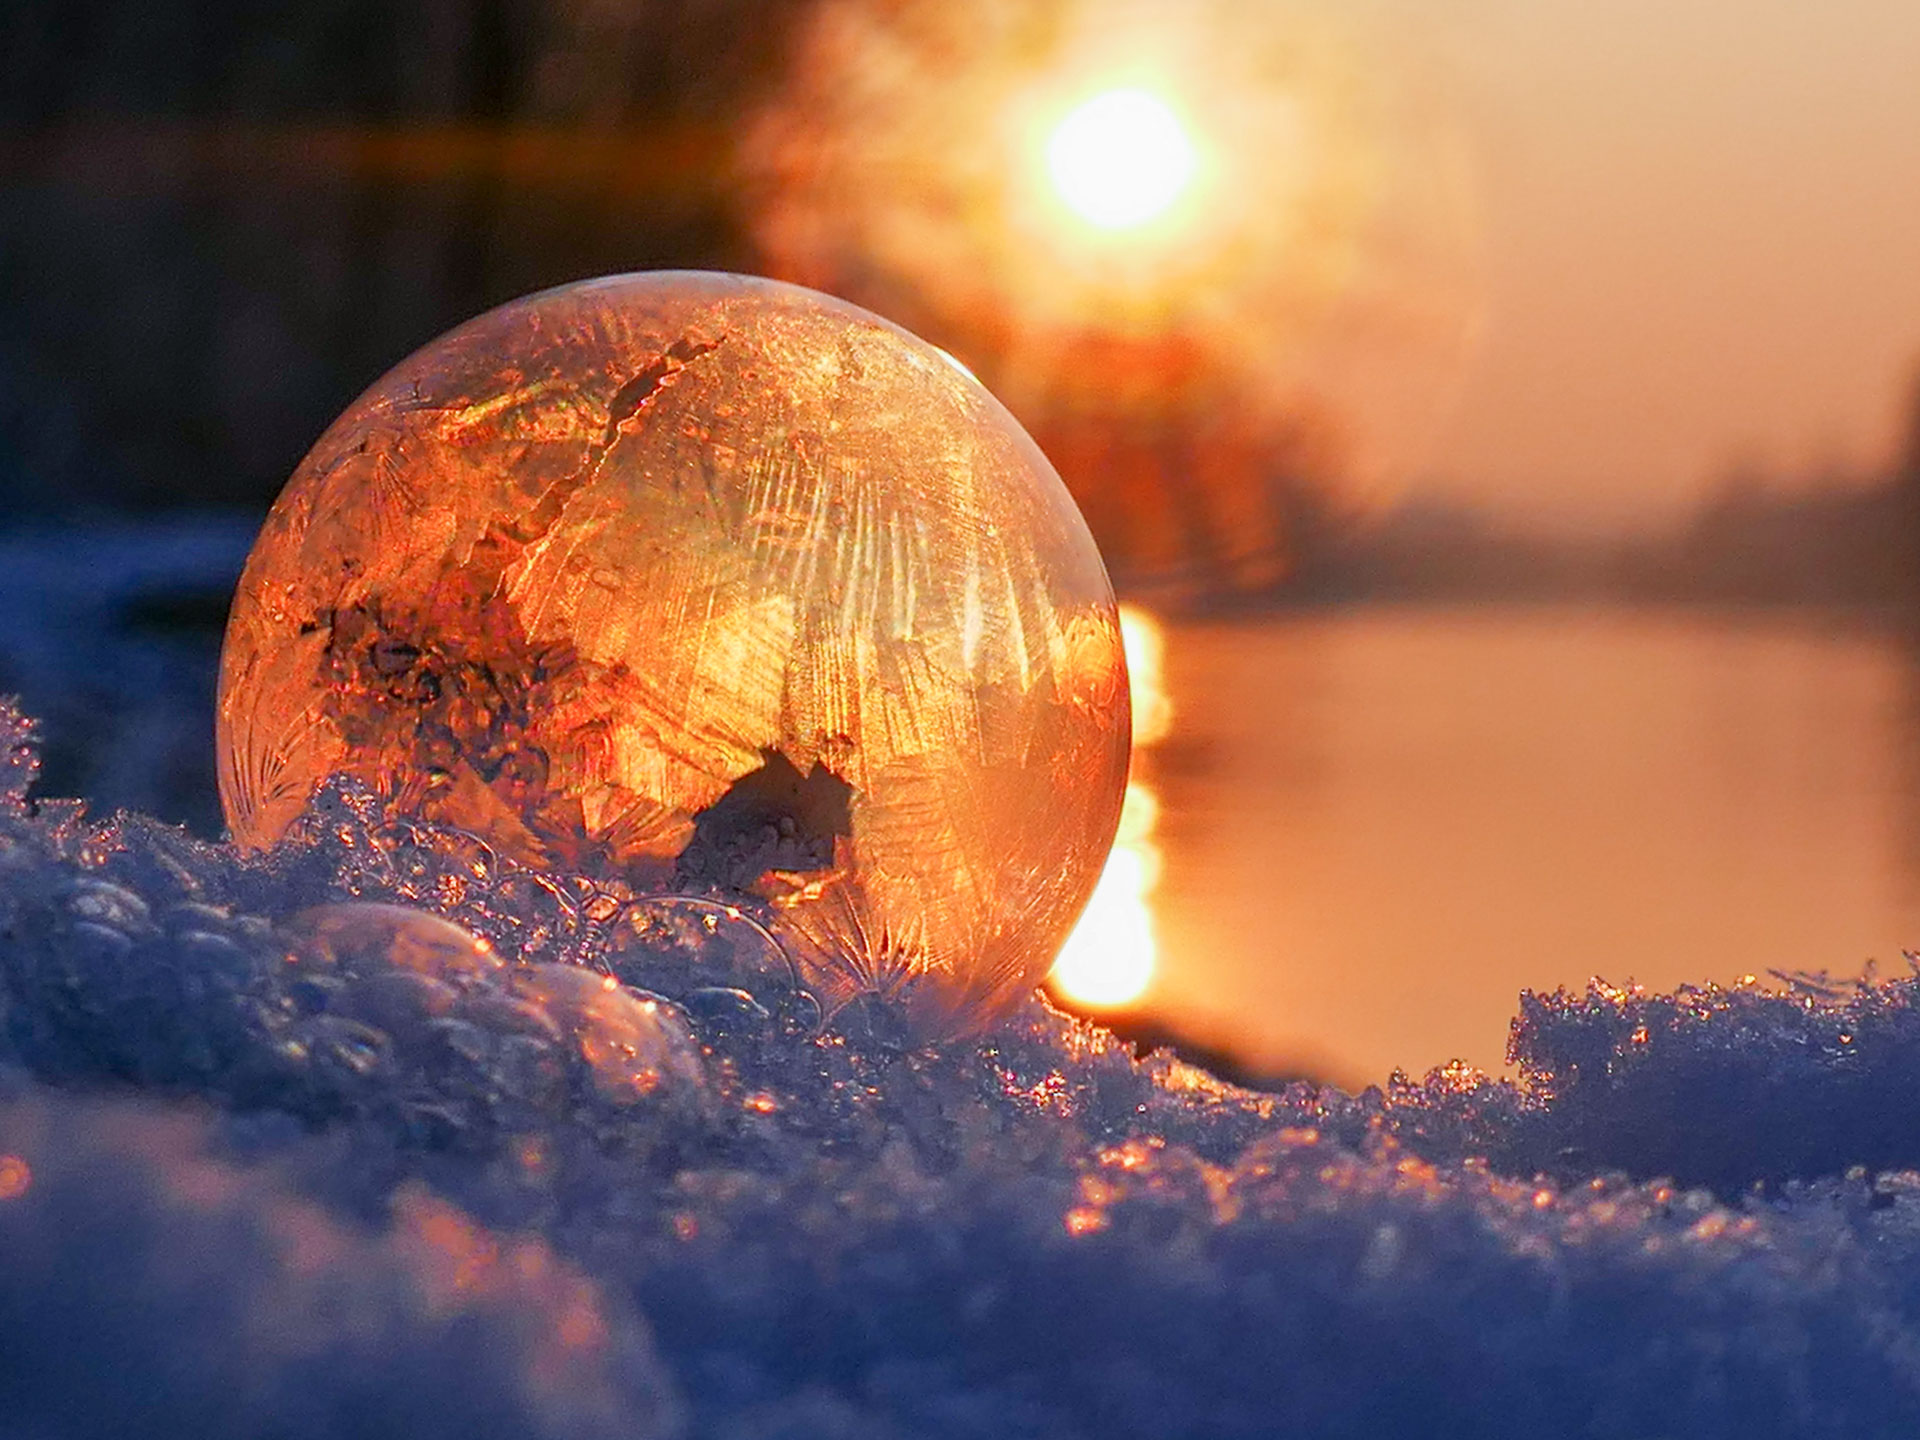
(719, 584)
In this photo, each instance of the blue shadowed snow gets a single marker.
(285, 1170)
(110, 634)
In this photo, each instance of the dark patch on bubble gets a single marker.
(772, 818)
(650, 380)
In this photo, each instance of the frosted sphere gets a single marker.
(717, 583)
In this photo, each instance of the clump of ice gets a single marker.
(287, 1160)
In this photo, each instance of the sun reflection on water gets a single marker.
(1108, 961)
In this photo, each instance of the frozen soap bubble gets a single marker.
(722, 585)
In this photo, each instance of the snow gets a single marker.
(110, 633)
(297, 1171)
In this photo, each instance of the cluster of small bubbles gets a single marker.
(670, 944)
(117, 967)
(420, 980)
(714, 957)
(338, 1008)
(346, 844)
(389, 988)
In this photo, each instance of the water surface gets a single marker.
(1376, 827)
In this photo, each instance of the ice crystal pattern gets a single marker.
(721, 586)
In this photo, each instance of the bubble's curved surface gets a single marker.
(718, 583)
(632, 1043)
(371, 935)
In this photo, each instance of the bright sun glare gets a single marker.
(1120, 159)
(1108, 961)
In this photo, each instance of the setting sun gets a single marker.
(1108, 961)
(1120, 159)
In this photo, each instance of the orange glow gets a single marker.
(1121, 159)
(1172, 239)
(466, 1256)
(1145, 646)
(16, 1177)
(1084, 1220)
(1108, 961)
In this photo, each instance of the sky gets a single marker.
(1699, 224)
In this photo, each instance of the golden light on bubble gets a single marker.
(723, 586)
(1108, 962)
(1121, 159)
(1144, 641)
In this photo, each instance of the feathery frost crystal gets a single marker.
(718, 585)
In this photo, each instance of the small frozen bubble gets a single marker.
(101, 902)
(100, 947)
(636, 1045)
(716, 585)
(729, 1011)
(213, 955)
(367, 937)
(379, 979)
(677, 944)
(196, 917)
(342, 1050)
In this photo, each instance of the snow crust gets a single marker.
(279, 1170)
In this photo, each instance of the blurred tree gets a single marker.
(1907, 467)
(221, 218)
(1905, 487)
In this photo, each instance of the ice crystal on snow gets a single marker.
(19, 758)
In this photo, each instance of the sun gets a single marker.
(1120, 159)
(1109, 960)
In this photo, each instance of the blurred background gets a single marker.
(1501, 420)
